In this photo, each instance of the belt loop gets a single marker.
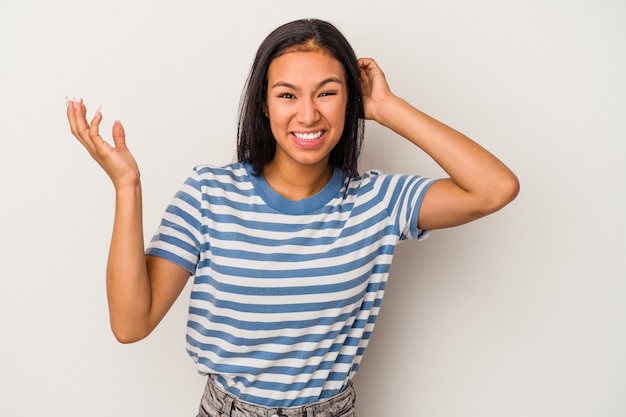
(353, 393)
(227, 410)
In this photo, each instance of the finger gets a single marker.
(86, 133)
(101, 147)
(366, 63)
(94, 127)
(119, 135)
(71, 115)
(78, 123)
(365, 82)
(80, 111)
(80, 119)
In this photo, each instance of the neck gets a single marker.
(297, 182)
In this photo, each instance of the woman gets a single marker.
(289, 247)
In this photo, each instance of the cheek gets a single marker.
(335, 111)
(278, 114)
(338, 117)
(274, 128)
(279, 125)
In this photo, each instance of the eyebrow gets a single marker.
(332, 79)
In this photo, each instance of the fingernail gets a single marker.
(98, 110)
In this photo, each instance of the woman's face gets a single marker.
(307, 97)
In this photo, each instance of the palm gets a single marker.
(116, 160)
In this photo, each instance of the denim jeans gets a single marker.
(217, 403)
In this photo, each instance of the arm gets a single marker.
(140, 289)
(479, 183)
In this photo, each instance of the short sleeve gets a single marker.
(178, 237)
(403, 195)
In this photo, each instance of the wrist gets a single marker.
(389, 110)
(128, 181)
(128, 189)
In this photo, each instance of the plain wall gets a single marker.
(518, 314)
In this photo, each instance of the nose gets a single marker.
(308, 112)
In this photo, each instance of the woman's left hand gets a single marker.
(374, 87)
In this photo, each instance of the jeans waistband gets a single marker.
(218, 403)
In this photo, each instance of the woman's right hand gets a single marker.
(117, 162)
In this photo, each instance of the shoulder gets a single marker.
(234, 171)
(227, 183)
(209, 175)
(388, 186)
(378, 179)
(368, 177)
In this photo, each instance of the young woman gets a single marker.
(290, 247)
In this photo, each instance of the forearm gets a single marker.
(472, 168)
(128, 284)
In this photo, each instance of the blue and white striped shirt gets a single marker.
(286, 293)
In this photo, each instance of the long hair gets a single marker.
(255, 143)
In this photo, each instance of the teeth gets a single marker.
(308, 136)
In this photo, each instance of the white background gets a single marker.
(519, 314)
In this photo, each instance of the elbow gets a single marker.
(126, 335)
(501, 193)
(511, 189)
(125, 339)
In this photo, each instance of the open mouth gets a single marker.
(309, 139)
(308, 136)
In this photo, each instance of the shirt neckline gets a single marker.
(306, 205)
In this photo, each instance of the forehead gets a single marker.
(303, 66)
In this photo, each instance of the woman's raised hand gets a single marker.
(117, 161)
(374, 87)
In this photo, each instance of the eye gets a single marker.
(286, 95)
(327, 94)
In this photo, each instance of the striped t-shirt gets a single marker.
(285, 293)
